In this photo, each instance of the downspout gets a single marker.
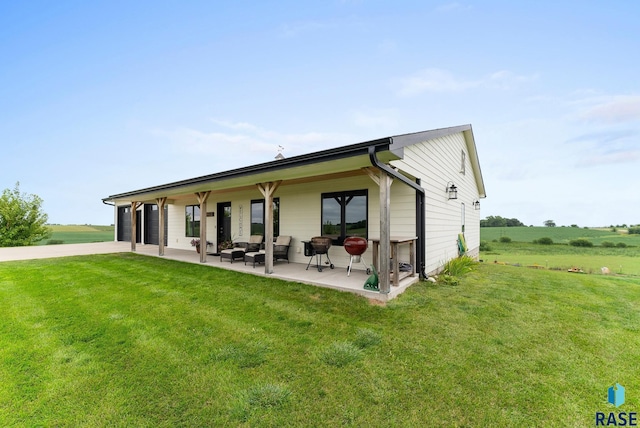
(420, 208)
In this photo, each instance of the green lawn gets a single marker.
(128, 340)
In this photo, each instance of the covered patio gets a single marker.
(296, 272)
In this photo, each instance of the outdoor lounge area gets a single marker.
(329, 278)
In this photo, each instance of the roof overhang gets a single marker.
(324, 163)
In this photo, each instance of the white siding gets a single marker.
(437, 162)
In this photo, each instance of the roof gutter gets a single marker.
(420, 208)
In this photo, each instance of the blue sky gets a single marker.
(98, 98)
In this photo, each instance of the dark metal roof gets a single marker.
(295, 161)
(393, 145)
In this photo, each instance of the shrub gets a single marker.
(634, 230)
(459, 266)
(543, 241)
(484, 246)
(505, 239)
(621, 245)
(607, 244)
(581, 242)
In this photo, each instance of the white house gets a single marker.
(421, 188)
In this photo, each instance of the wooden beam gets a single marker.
(202, 200)
(384, 274)
(267, 190)
(161, 237)
(134, 220)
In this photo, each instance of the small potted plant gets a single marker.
(225, 245)
(196, 243)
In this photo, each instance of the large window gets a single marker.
(344, 214)
(257, 217)
(192, 217)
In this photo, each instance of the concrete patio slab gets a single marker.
(329, 278)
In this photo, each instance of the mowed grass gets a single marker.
(128, 340)
(79, 234)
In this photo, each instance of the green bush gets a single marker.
(459, 266)
(621, 245)
(607, 244)
(484, 246)
(634, 231)
(505, 239)
(543, 241)
(581, 242)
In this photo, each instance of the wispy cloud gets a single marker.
(618, 157)
(606, 147)
(439, 80)
(614, 109)
(239, 140)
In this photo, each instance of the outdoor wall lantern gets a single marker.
(476, 204)
(452, 190)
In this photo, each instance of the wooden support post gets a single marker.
(202, 200)
(161, 237)
(134, 220)
(267, 190)
(384, 271)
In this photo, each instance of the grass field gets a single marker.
(128, 340)
(560, 256)
(560, 235)
(79, 234)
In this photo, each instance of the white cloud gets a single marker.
(439, 80)
(244, 144)
(617, 157)
(614, 109)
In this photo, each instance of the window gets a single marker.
(344, 214)
(463, 162)
(257, 217)
(192, 217)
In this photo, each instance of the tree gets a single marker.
(22, 221)
(497, 221)
(550, 223)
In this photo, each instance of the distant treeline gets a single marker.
(497, 221)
